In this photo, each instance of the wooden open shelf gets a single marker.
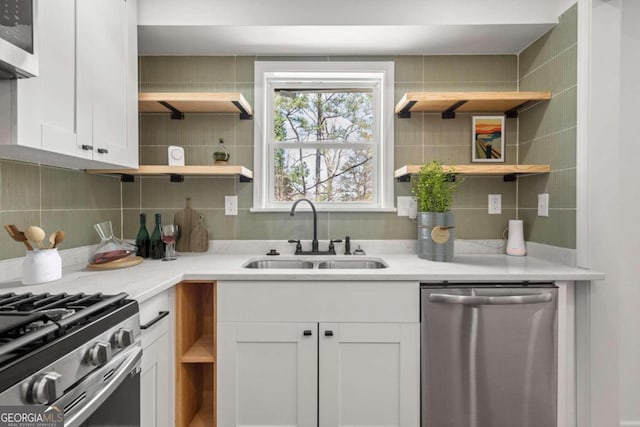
(404, 173)
(177, 173)
(200, 352)
(448, 103)
(178, 103)
(196, 354)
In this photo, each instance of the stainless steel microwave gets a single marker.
(18, 39)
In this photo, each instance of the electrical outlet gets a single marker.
(404, 205)
(231, 205)
(543, 204)
(413, 208)
(495, 204)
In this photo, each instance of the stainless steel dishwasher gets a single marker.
(489, 355)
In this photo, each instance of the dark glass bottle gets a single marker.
(157, 247)
(143, 240)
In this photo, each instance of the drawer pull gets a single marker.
(328, 333)
(307, 333)
(87, 147)
(155, 320)
(103, 151)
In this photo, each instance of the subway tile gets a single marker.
(153, 129)
(478, 224)
(558, 229)
(550, 117)
(438, 131)
(78, 225)
(180, 69)
(556, 75)
(19, 186)
(131, 193)
(470, 68)
(243, 156)
(208, 192)
(560, 185)
(74, 189)
(558, 150)
(473, 192)
(244, 191)
(462, 86)
(408, 68)
(368, 226)
(401, 88)
(21, 219)
(408, 131)
(279, 225)
(407, 155)
(245, 66)
(244, 132)
(152, 155)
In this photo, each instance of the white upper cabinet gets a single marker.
(81, 110)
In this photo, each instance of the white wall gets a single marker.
(608, 149)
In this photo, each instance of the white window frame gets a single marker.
(329, 74)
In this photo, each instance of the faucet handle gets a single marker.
(332, 247)
(298, 245)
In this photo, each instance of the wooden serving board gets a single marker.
(129, 261)
(186, 220)
(199, 241)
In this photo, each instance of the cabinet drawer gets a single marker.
(152, 315)
(318, 301)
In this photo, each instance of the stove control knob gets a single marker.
(123, 338)
(99, 353)
(46, 388)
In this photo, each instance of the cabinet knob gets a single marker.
(328, 333)
(103, 150)
(307, 333)
(87, 147)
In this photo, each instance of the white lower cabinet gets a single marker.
(156, 377)
(323, 373)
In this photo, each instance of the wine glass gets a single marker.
(169, 235)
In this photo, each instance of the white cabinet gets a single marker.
(318, 354)
(81, 110)
(156, 378)
(104, 66)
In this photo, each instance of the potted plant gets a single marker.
(433, 188)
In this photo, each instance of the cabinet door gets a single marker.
(155, 383)
(267, 374)
(369, 374)
(102, 46)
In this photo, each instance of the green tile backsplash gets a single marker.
(545, 133)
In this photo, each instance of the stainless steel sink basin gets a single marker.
(279, 263)
(352, 263)
(323, 263)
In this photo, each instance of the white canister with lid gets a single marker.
(41, 266)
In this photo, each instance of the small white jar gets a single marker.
(41, 266)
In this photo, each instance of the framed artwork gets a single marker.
(487, 139)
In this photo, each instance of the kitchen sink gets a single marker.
(323, 264)
(279, 263)
(352, 263)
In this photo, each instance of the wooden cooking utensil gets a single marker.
(18, 235)
(186, 220)
(35, 234)
(56, 238)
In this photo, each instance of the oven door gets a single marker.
(109, 396)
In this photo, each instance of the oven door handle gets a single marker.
(122, 371)
(490, 300)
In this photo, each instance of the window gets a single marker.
(324, 131)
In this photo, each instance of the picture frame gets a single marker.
(487, 139)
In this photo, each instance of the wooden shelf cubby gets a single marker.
(196, 354)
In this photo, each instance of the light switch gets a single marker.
(231, 205)
(495, 204)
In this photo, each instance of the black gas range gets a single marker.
(73, 352)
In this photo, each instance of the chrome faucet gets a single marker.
(314, 242)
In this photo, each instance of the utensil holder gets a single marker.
(41, 266)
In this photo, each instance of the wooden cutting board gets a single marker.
(199, 237)
(186, 220)
(119, 263)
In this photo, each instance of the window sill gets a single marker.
(319, 209)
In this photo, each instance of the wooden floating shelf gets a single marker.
(404, 173)
(178, 103)
(448, 103)
(200, 352)
(177, 173)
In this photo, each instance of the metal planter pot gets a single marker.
(436, 236)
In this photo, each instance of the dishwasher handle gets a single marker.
(490, 300)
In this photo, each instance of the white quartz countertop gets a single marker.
(153, 276)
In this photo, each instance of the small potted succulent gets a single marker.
(433, 188)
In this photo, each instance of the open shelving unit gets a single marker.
(448, 103)
(178, 103)
(509, 172)
(196, 354)
(177, 173)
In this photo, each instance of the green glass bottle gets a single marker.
(157, 247)
(143, 240)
